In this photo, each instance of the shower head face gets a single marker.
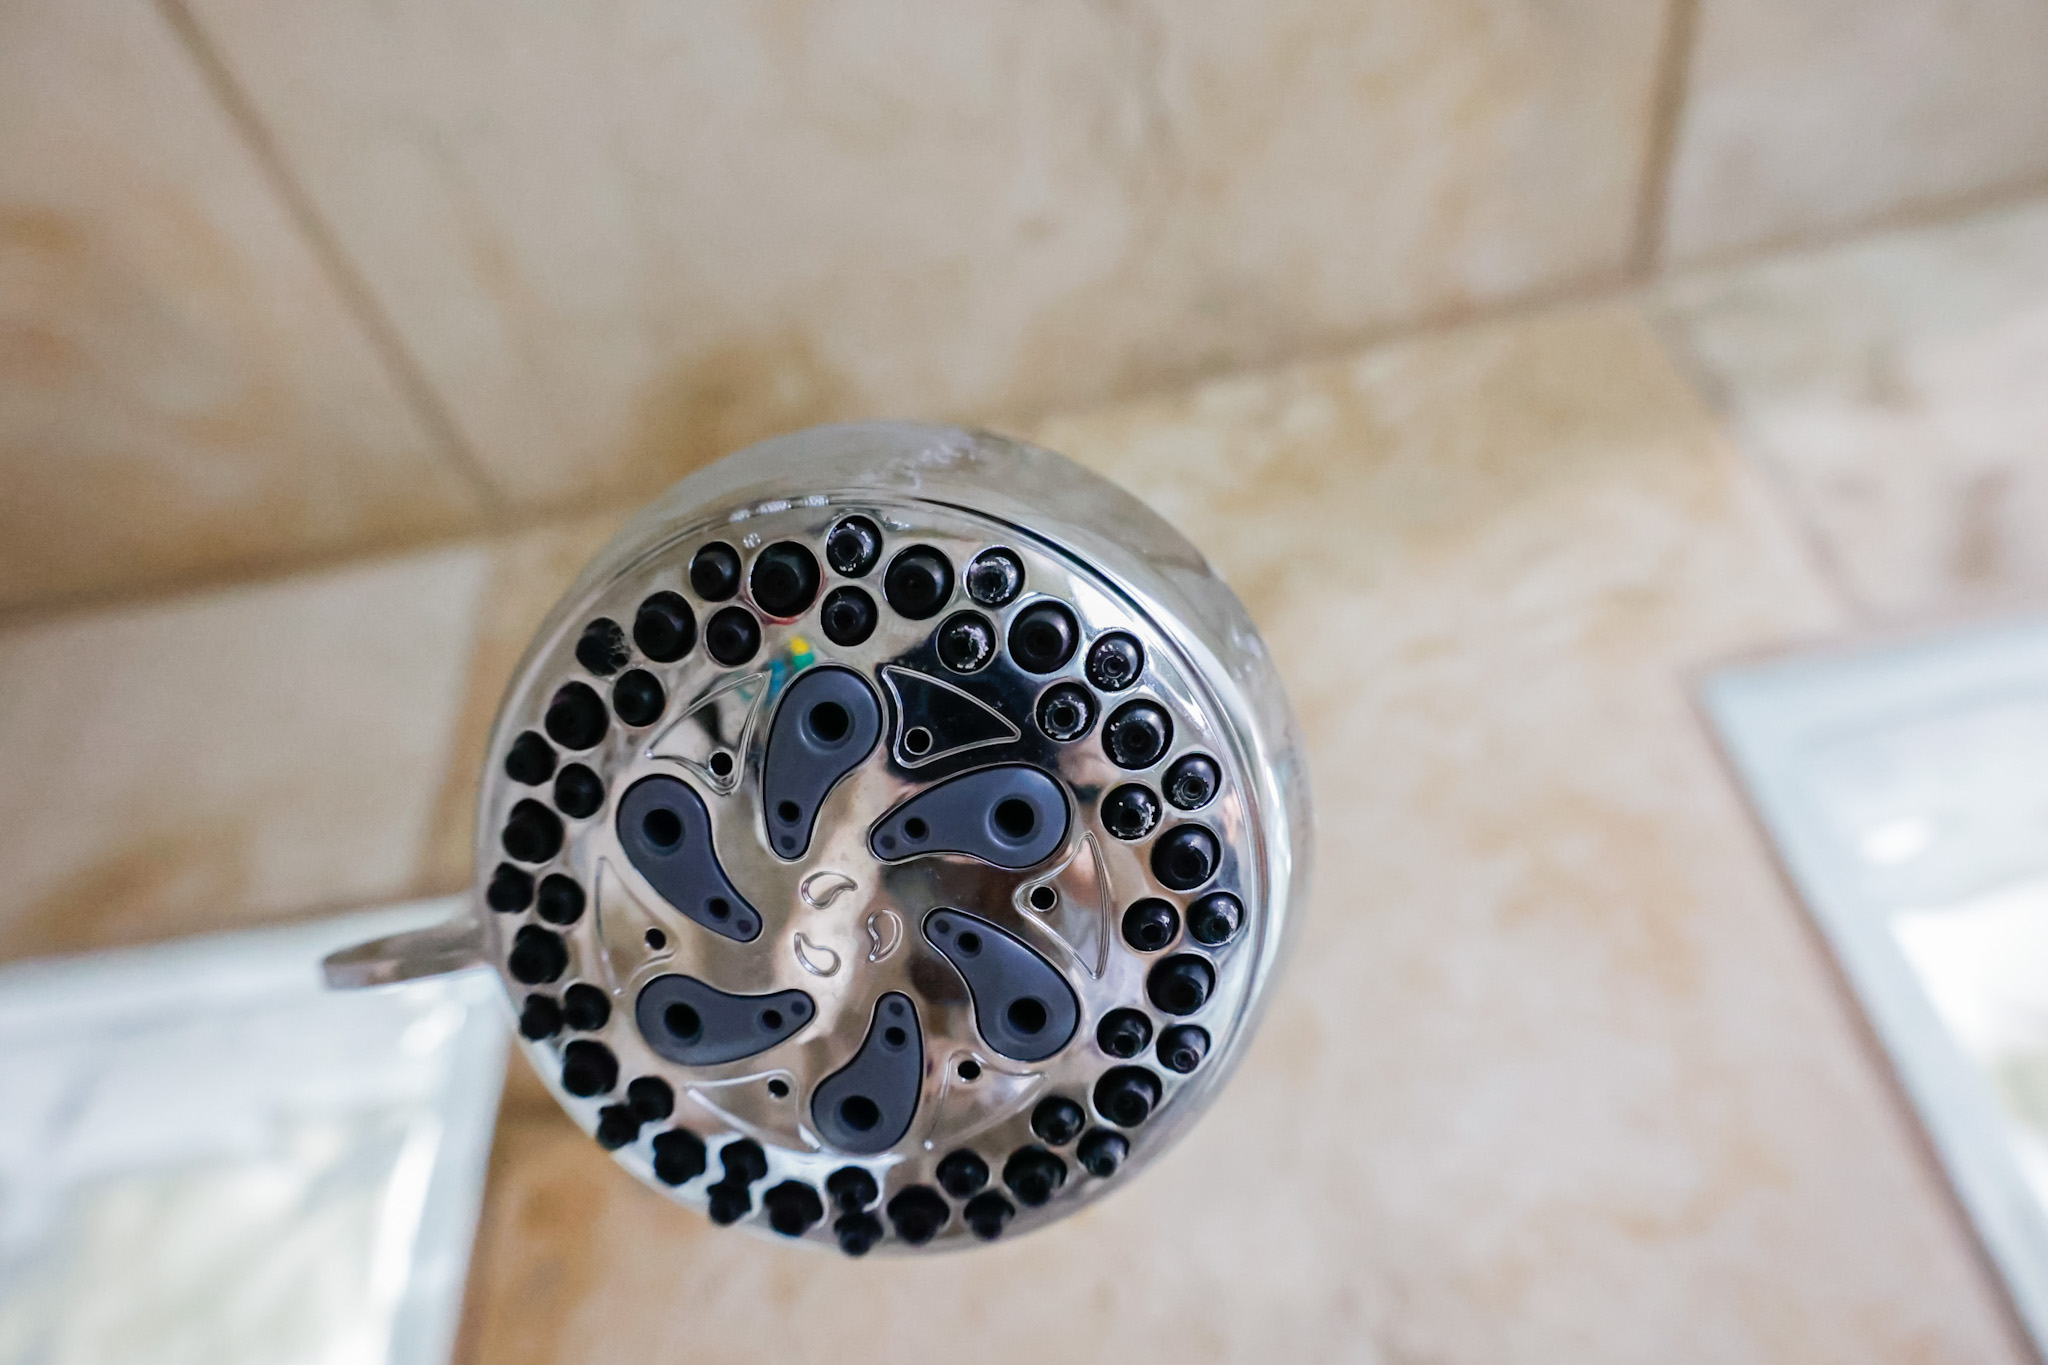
(869, 869)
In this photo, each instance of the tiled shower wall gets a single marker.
(288, 282)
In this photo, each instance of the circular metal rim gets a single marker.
(1094, 525)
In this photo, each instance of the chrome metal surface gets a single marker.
(848, 927)
(435, 950)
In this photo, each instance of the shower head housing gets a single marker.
(890, 838)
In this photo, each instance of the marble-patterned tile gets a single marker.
(220, 760)
(1895, 389)
(1557, 1073)
(625, 239)
(184, 394)
(1812, 118)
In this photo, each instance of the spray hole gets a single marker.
(663, 827)
(915, 829)
(1015, 819)
(788, 812)
(917, 740)
(970, 1070)
(683, 1022)
(655, 940)
(859, 1113)
(829, 722)
(721, 764)
(1044, 898)
(1027, 1015)
(779, 1088)
(771, 1019)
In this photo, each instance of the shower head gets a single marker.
(887, 842)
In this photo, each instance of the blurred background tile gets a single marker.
(243, 756)
(1807, 118)
(623, 242)
(185, 393)
(1898, 388)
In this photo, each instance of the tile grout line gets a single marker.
(1660, 152)
(382, 333)
(336, 559)
(1785, 504)
(1925, 215)
(1606, 289)
(1589, 291)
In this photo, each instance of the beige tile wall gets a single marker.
(184, 391)
(625, 240)
(1557, 1073)
(231, 758)
(1805, 119)
(1897, 389)
(286, 281)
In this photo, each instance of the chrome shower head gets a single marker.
(889, 839)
